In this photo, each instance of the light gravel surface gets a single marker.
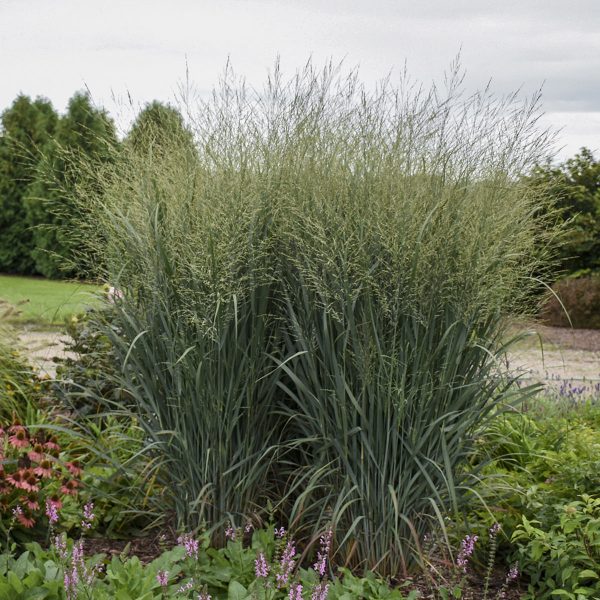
(41, 347)
(549, 354)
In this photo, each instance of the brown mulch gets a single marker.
(146, 548)
(150, 547)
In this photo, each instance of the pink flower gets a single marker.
(296, 591)
(69, 487)
(513, 573)
(286, 564)
(261, 568)
(51, 512)
(74, 468)
(466, 550)
(230, 533)
(321, 565)
(25, 519)
(320, 591)
(163, 578)
(190, 544)
(88, 515)
(19, 438)
(44, 469)
(37, 454)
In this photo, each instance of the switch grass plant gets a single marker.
(314, 294)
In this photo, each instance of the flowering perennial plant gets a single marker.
(33, 481)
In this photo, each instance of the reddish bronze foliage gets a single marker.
(581, 299)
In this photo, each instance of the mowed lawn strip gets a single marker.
(46, 301)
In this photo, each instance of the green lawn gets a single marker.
(44, 301)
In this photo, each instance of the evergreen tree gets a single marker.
(27, 127)
(84, 135)
(156, 126)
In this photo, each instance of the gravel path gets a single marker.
(556, 354)
(549, 354)
(42, 347)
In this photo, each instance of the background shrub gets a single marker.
(577, 305)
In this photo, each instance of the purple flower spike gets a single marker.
(261, 568)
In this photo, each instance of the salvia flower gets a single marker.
(51, 512)
(513, 573)
(190, 544)
(60, 545)
(230, 533)
(296, 591)
(163, 578)
(279, 533)
(321, 565)
(261, 568)
(495, 529)
(466, 550)
(286, 564)
(320, 591)
(186, 587)
(248, 527)
(70, 581)
(88, 515)
(204, 596)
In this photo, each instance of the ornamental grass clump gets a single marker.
(313, 294)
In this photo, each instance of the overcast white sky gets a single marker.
(55, 47)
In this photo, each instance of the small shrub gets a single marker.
(580, 297)
(562, 559)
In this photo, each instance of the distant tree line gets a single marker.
(40, 151)
(574, 190)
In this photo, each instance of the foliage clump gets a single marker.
(312, 302)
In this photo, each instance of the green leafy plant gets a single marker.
(562, 558)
